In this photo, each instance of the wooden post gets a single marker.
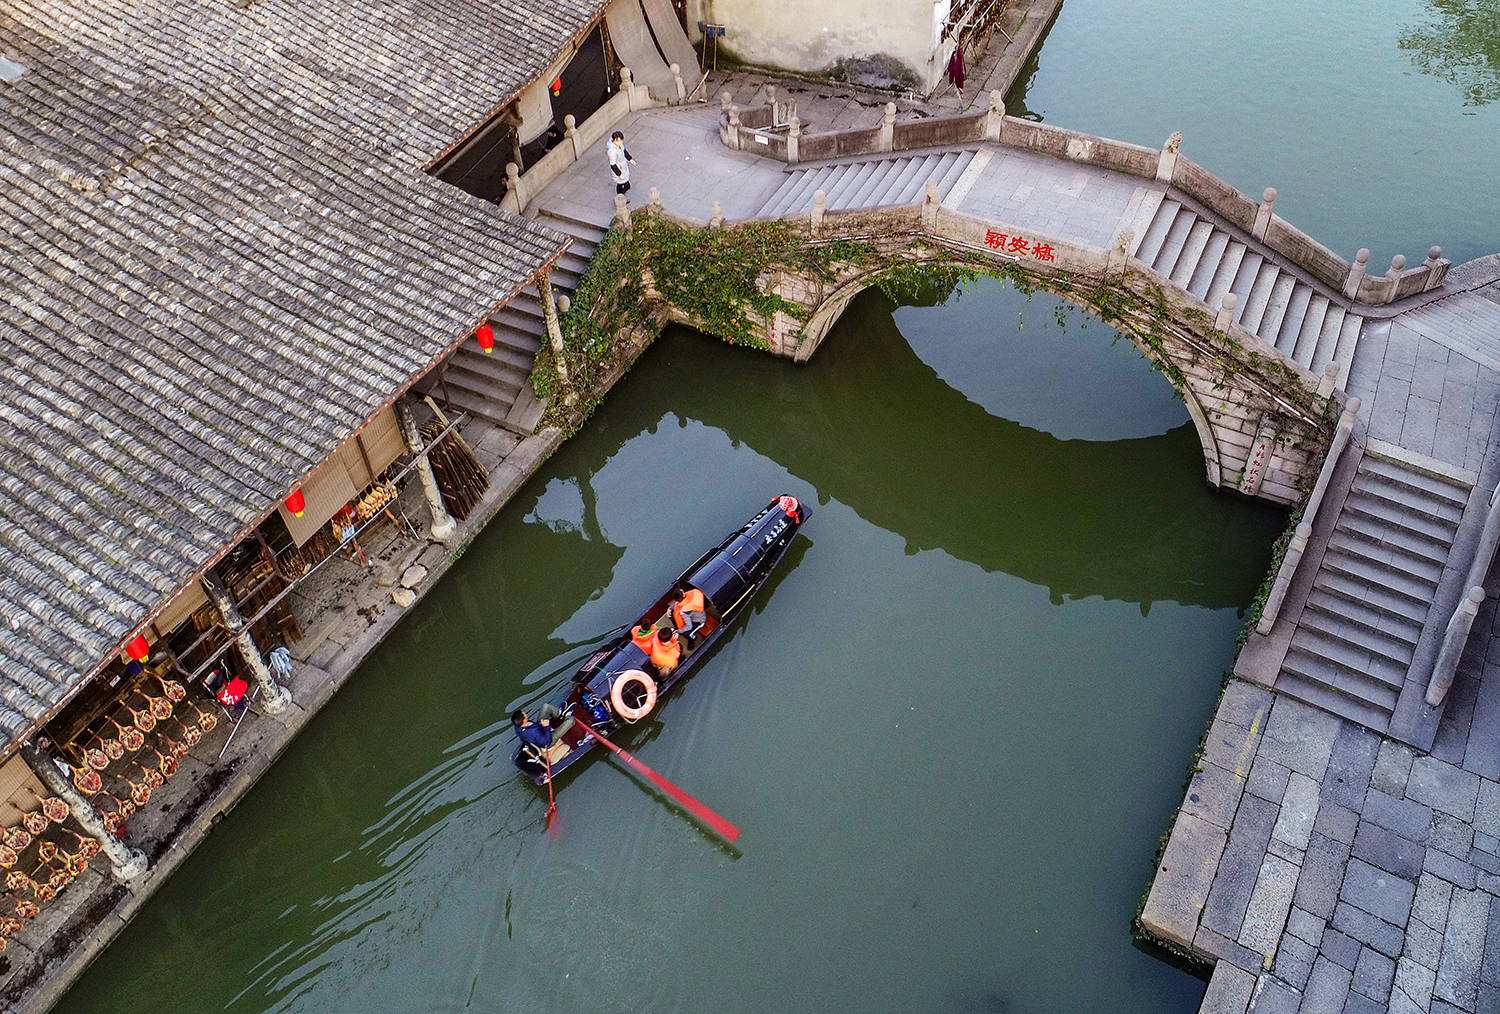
(554, 326)
(274, 697)
(443, 525)
(127, 864)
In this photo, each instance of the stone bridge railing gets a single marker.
(1263, 422)
(774, 131)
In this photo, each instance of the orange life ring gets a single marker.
(617, 695)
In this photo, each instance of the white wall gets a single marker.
(809, 35)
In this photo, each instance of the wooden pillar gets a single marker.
(443, 525)
(125, 863)
(274, 697)
(554, 326)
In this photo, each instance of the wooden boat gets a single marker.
(728, 575)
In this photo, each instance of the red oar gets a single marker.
(715, 823)
(551, 802)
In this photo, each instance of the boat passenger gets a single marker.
(541, 734)
(643, 637)
(689, 613)
(666, 652)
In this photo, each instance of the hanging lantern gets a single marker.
(557, 85)
(138, 649)
(486, 337)
(295, 503)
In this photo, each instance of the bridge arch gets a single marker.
(1247, 424)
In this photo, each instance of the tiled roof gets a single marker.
(221, 257)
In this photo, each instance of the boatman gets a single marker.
(690, 613)
(541, 734)
(667, 651)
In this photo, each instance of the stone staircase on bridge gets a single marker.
(1279, 306)
(870, 183)
(1354, 641)
(497, 386)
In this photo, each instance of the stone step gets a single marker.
(899, 181)
(1442, 517)
(461, 380)
(1306, 344)
(792, 188)
(1375, 573)
(488, 406)
(520, 329)
(503, 364)
(1335, 638)
(1260, 297)
(1156, 233)
(1328, 338)
(812, 180)
(1451, 495)
(1337, 664)
(574, 262)
(1343, 352)
(1192, 253)
(1358, 612)
(1385, 554)
(1244, 282)
(1333, 701)
(876, 182)
(585, 232)
(1291, 321)
(1276, 307)
(848, 183)
(1223, 280)
(1419, 532)
(1176, 239)
(1359, 525)
(948, 173)
(1209, 264)
(1355, 588)
(1140, 222)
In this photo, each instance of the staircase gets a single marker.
(869, 183)
(1354, 640)
(1301, 321)
(497, 386)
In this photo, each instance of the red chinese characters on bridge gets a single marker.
(1018, 245)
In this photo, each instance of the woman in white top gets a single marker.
(620, 162)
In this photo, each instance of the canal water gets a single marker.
(952, 728)
(1378, 121)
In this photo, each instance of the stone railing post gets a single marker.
(1329, 380)
(1357, 273)
(819, 209)
(655, 195)
(627, 85)
(274, 697)
(513, 184)
(1393, 277)
(716, 215)
(1264, 212)
(1166, 162)
(1437, 268)
(570, 131)
(622, 212)
(127, 864)
(677, 85)
(732, 133)
(888, 128)
(930, 204)
(1284, 574)
(994, 117)
(1454, 638)
(775, 106)
(1119, 253)
(554, 326)
(725, 101)
(793, 139)
(1225, 316)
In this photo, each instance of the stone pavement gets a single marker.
(1345, 873)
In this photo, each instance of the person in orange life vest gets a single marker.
(667, 651)
(644, 637)
(689, 613)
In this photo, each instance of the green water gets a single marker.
(1368, 143)
(952, 728)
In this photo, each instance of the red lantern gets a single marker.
(486, 337)
(138, 649)
(557, 85)
(295, 503)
